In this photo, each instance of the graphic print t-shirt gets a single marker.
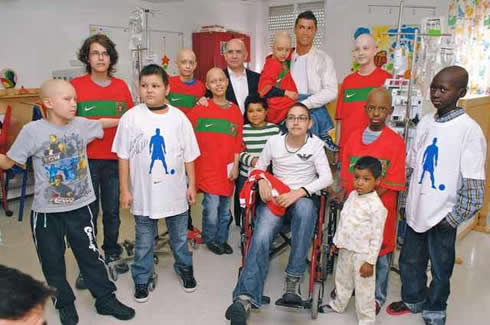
(62, 177)
(157, 146)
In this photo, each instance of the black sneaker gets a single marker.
(120, 268)
(238, 311)
(188, 282)
(292, 294)
(80, 283)
(217, 249)
(113, 307)
(141, 293)
(227, 248)
(68, 315)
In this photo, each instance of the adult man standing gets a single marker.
(243, 82)
(313, 71)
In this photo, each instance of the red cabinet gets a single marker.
(209, 48)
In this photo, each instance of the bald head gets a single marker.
(236, 43)
(366, 39)
(186, 54)
(365, 50)
(381, 94)
(282, 36)
(457, 74)
(52, 88)
(214, 73)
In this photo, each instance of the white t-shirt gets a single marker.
(308, 167)
(441, 155)
(299, 74)
(240, 87)
(152, 141)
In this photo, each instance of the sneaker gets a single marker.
(217, 249)
(113, 307)
(120, 268)
(238, 312)
(398, 308)
(80, 283)
(326, 309)
(378, 308)
(68, 315)
(292, 294)
(187, 276)
(227, 248)
(141, 293)
(327, 139)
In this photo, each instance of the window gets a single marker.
(283, 18)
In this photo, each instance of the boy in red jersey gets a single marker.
(218, 128)
(100, 94)
(355, 88)
(379, 141)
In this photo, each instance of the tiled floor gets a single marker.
(169, 304)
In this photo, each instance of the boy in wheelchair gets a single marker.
(299, 161)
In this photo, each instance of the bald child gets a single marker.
(218, 128)
(62, 194)
(185, 91)
(350, 113)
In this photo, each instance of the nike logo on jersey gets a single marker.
(349, 95)
(208, 125)
(175, 99)
(304, 157)
(89, 108)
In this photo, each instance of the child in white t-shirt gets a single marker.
(156, 147)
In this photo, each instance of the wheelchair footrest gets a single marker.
(281, 302)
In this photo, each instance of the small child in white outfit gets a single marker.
(358, 239)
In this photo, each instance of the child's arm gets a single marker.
(109, 122)
(378, 218)
(6, 162)
(125, 197)
(191, 187)
(234, 172)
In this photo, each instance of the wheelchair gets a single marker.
(321, 260)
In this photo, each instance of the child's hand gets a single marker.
(125, 199)
(191, 194)
(291, 94)
(286, 199)
(234, 173)
(203, 101)
(366, 270)
(265, 191)
(254, 162)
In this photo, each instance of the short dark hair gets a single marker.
(84, 52)
(155, 69)
(370, 163)
(308, 14)
(255, 99)
(299, 104)
(20, 293)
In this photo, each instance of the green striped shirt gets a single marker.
(254, 139)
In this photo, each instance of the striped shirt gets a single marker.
(254, 139)
(369, 136)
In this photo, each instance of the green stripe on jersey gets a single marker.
(216, 125)
(356, 94)
(101, 108)
(182, 100)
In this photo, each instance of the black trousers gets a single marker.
(49, 231)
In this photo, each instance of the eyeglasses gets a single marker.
(99, 54)
(301, 118)
(380, 109)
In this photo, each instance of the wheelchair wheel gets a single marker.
(315, 299)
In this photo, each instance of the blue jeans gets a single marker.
(216, 217)
(105, 179)
(146, 231)
(322, 122)
(382, 275)
(438, 245)
(303, 215)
